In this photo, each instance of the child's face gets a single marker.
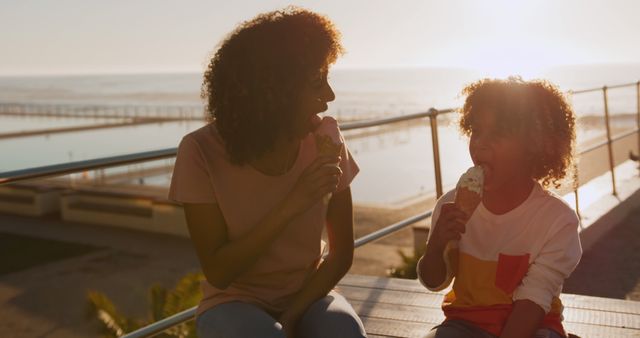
(502, 155)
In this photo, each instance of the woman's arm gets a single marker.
(524, 320)
(337, 264)
(223, 260)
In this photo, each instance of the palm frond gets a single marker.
(102, 309)
(158, 300)
(163, 303)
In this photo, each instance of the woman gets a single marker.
(253, 185)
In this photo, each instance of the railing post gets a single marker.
(609, 142)
(576, 185)
(575, 194)
(638, 118)
(433, 119)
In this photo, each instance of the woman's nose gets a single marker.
(329, 95)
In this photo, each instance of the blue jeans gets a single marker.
(462, 329)
(331, 316)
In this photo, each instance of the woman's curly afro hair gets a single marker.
(536, 111)
(251, 83)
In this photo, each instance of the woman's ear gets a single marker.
(531, 150)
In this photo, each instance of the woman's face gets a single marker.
(312, 100)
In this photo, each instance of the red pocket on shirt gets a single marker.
(510, 271)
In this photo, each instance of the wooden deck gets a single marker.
(391, 307)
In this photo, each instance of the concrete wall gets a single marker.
(112, 210)
(29, 201)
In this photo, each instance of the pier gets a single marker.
(50, 131)
(183, 112)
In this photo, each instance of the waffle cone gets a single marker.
(326, 147)
(467, 200)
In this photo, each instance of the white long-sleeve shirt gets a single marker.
(526, 253)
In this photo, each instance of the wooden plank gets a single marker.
(569, 300)
(600, 303)
(404, 308)
(604, 318)
(404, 313)
(387, 284)
(589, 331)
(396, 312)
(391, 296)
(394, 301)
(394, 328)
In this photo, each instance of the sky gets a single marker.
(494, 36)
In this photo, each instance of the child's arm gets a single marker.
(533, 298)
(524, 320)
(449, 225)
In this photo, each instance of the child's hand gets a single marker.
(450, 226)
(320, 178)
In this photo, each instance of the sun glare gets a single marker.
(498, 68)
(509, 43)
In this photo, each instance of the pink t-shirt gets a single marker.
(204, 174)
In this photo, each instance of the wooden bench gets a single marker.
(391, 307)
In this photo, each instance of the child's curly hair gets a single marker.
(251, 83)
(534, 110)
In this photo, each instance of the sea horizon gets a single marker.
(360, 94)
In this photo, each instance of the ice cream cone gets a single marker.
(467, 200)
(326, 146)
(469, 190)
(329, 141)
(468, 197)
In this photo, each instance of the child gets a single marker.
(520, 244)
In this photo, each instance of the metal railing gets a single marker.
(607, 119)
(113, 111)
(432, 114)
(114, 161)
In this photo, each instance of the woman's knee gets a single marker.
(331, 316)
(456, 329)
(237, 320)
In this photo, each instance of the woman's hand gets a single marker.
(321, 177)
(450, 226)
(288, 320)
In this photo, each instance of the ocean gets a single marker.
(402, 156)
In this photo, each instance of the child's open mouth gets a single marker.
(486, 169)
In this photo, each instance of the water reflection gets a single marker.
(396, 160)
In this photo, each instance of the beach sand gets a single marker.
(377, 257)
